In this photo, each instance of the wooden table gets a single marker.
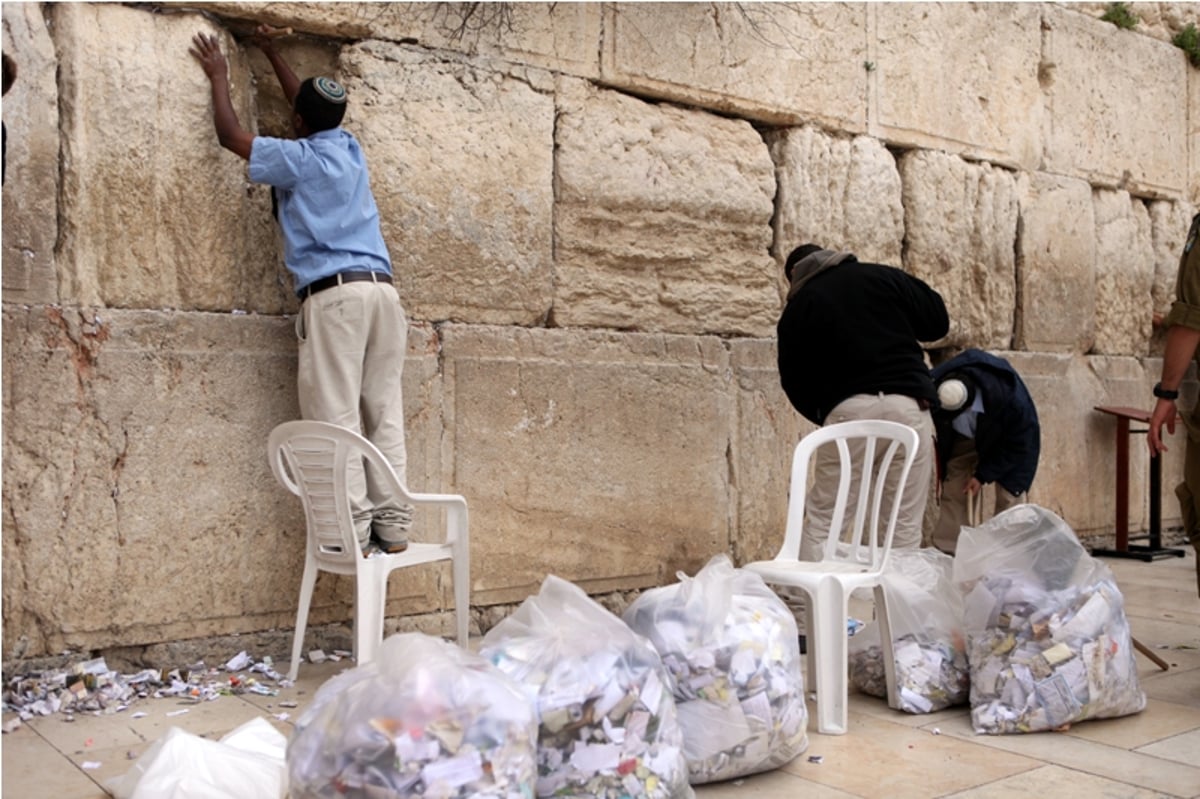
(1123, 548)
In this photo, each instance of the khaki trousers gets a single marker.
(953, 516)
(353, 340)
(826, 470)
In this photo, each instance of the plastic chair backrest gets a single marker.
(310, 459)
(867, 451)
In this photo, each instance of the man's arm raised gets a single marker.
(229, 131)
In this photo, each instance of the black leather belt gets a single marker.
(342, 277)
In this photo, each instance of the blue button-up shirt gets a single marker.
(327, 213)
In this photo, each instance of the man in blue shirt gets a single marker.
(351, 327)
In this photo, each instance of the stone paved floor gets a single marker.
(885, 754)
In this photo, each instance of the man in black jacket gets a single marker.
(848, 348)
(987, 432)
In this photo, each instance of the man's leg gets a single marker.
(383, 410)
(826, 472)
(1189, 490)
(332, 335)
(953, 512)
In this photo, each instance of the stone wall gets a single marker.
(587, 205)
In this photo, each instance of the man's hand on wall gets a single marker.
(206, 50)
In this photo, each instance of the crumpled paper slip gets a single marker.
(425, 718)
(730, 646)
(607, 720)
(928, 645)
(248, 763)
(1047, 637)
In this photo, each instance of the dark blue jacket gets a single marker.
(1007, 435)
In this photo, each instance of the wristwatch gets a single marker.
(1165, 393)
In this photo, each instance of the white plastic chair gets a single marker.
(854, 556)
(309, 459)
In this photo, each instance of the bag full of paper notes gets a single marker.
(425, 718)
(1047, 637)
(607, 723)
(732, 652)
(924, 610)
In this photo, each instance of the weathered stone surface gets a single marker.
(1169, 225)
(960, 222)
(1056, 265)
(1124, 274)
(1094, 131)
(663, 219)
(139, 505)
(1193, 137)
(840, 193)
(992, 107)
(561, 36)
(155, 214)
(598, 457)
(31, 163)
(1160, 20)
(775, 62)
(765, 433)
(462, 163)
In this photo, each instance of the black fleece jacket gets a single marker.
(854, 329)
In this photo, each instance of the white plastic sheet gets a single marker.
(248, 763)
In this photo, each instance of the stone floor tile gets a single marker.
(770, 785)
(878, 758)
(76, 733)
(1160, 720)
(34, 768)
(1180, 687)
(1182, 748)
(1102, 760)
(1058, 782)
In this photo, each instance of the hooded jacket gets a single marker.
(1007, 433)
(853, 328)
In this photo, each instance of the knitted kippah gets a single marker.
(952, 394)
(330, 90)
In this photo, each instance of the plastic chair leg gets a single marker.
(307, 583)
(887, 647)
(462, 599)
(371, 594)
(829, 620)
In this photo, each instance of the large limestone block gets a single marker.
(462, 162)
(663, 219)
(776, 62)
(139, 506)
(1169, 225)
(154, 212)
(599, 457)
(1193, 137)
(1124, 274)
(766, 433)
(560, 36)
(992, 107)
(1123, 128)
(31, 161)
(844, 194)
(960, 220)
(1056, 265)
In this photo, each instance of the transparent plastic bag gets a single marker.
(925, 615)
(608, 723)
(1047, 637)
(425, 718)
(732, 652)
